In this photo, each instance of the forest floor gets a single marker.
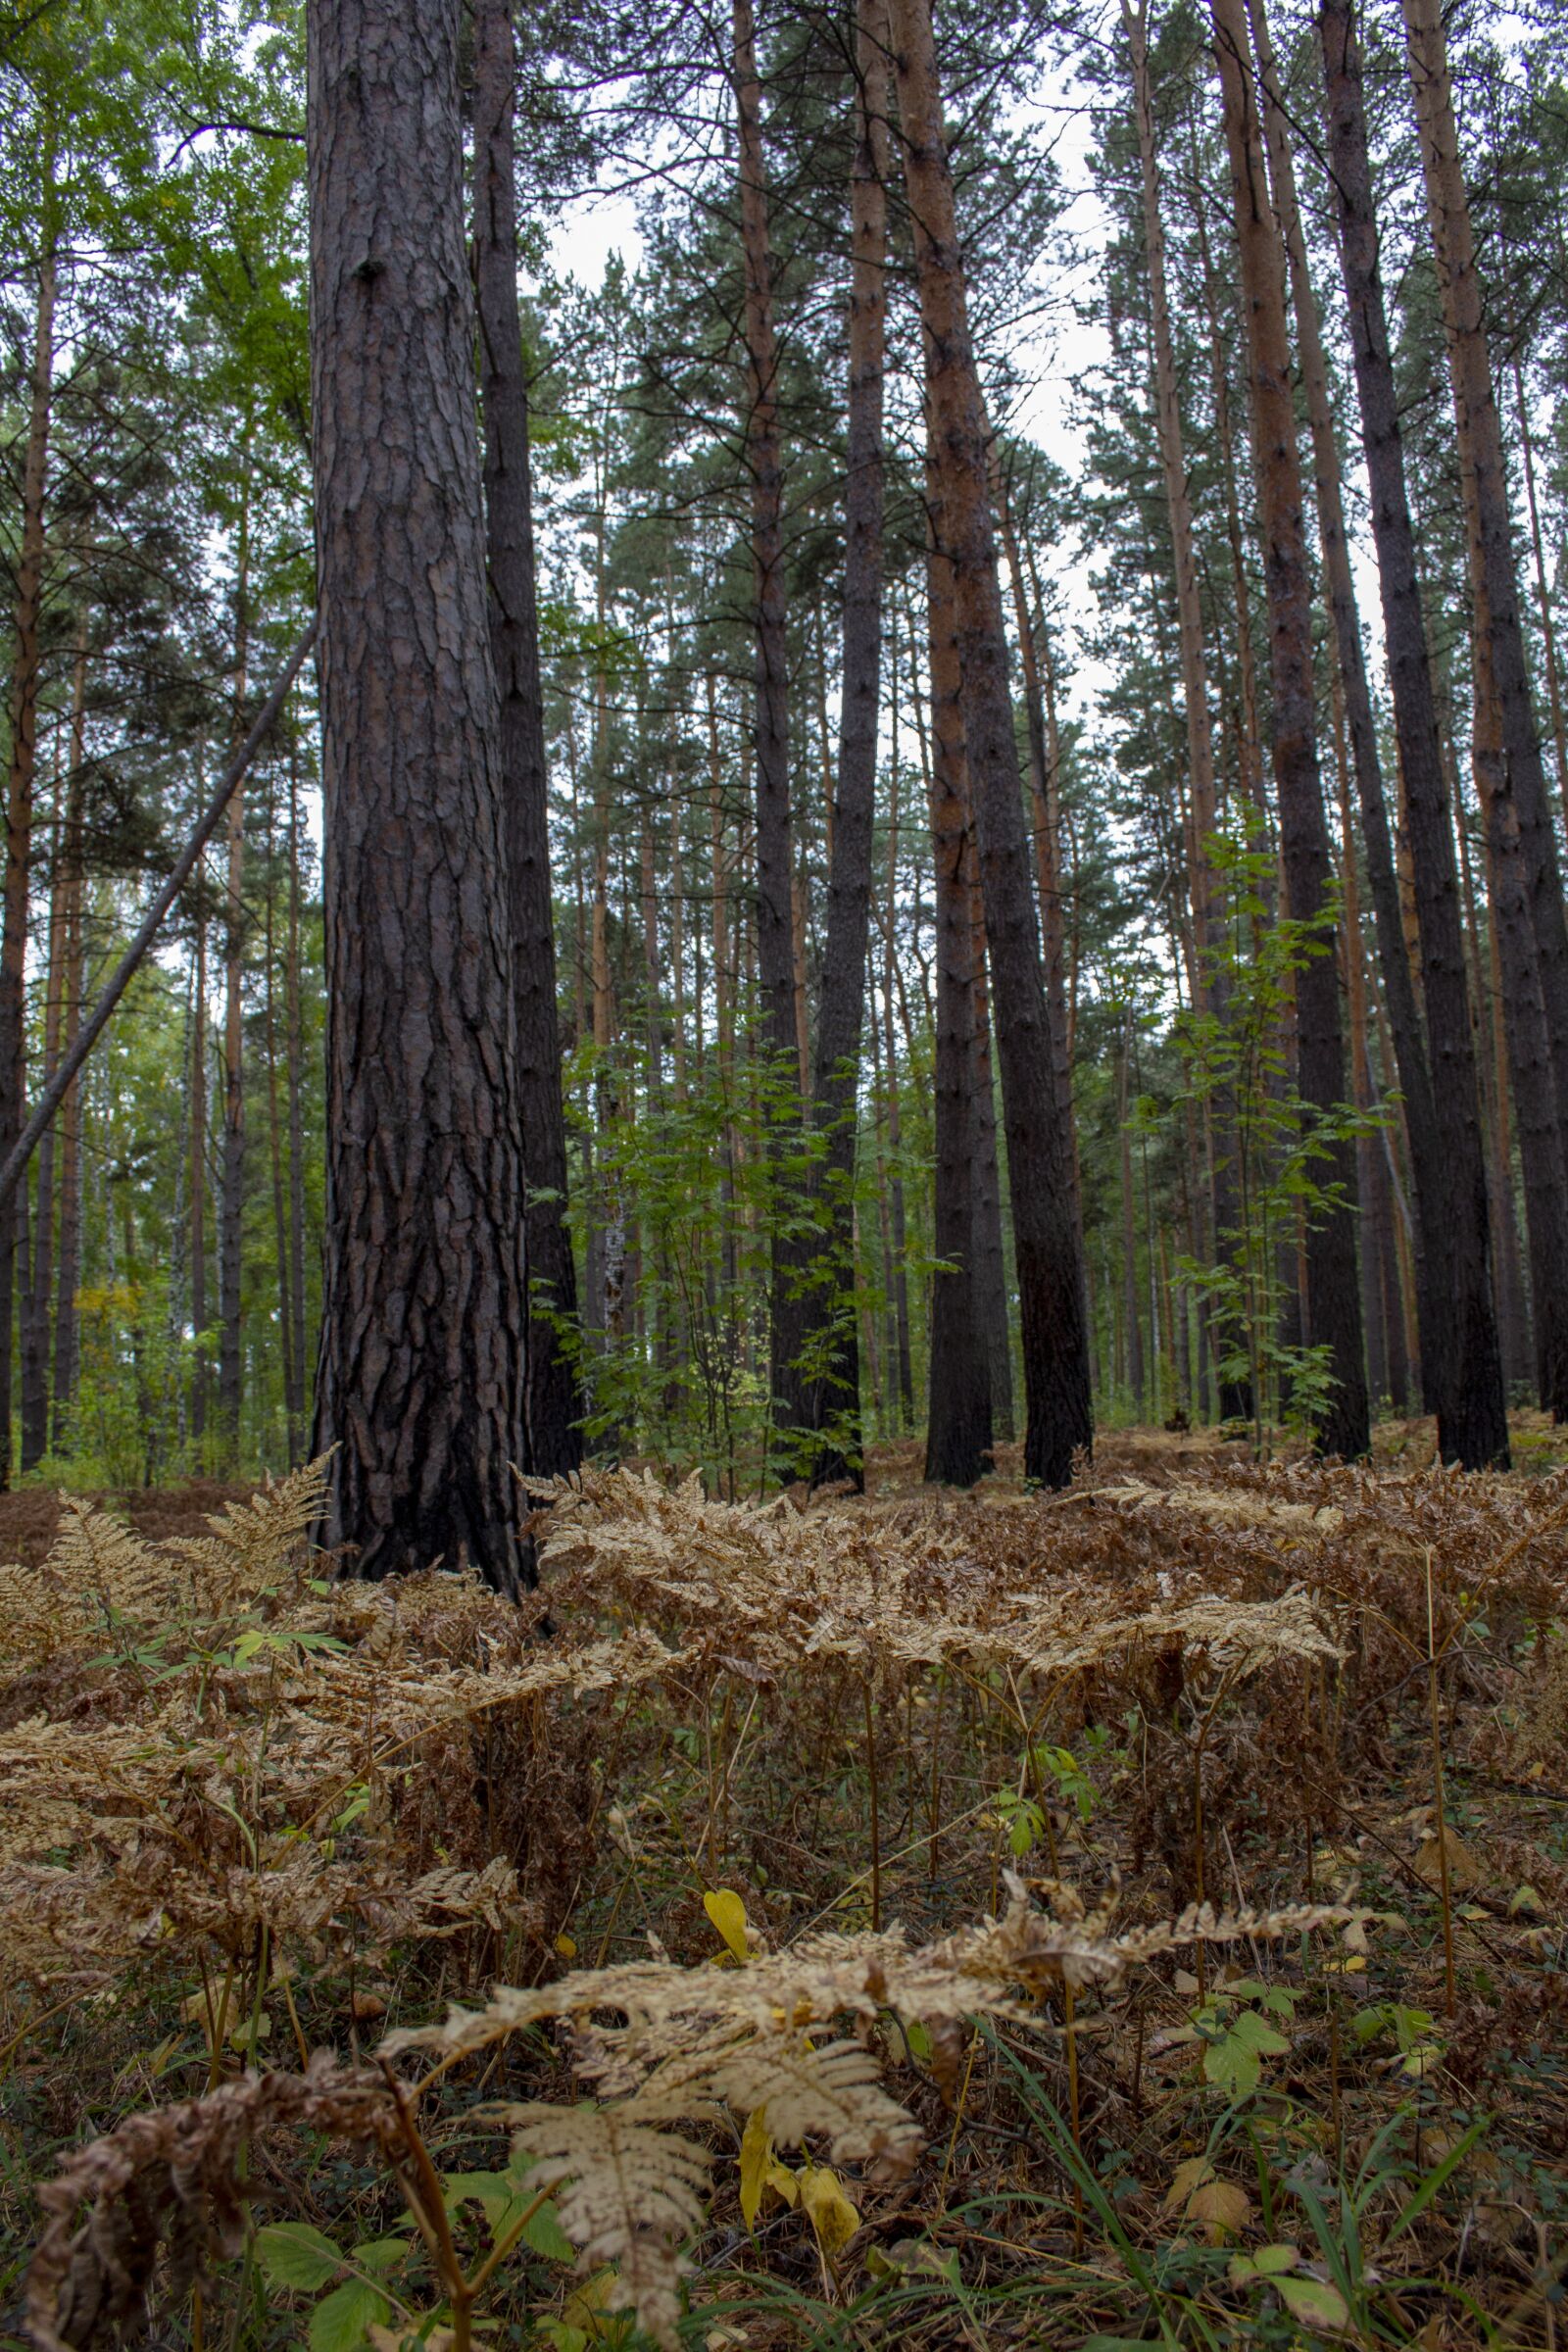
(763, 1772)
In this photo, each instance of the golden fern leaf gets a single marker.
(39, 1615)
(96, 1555)
(253, 1545)
(634, 2194)
(833, 2091)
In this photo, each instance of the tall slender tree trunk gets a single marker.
(1460, 1349)
(198, 1179)
(73, 974)
(38, 1264)
(897, 1216)
(1489, 520)
(1051, 1292)
(775, 931)
(421, 1386)
(1548, 631)
(294, 1061)
(290, 1339)
(27, 670)
(232, 1163)
(1333, 1304)
(959, 1430)
(991, 1265)
(555, 1407)
(834, 1395)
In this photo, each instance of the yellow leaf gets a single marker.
(833, 2218)
(729, 1915)
(1220, 2208)
(567, 1947)
(1525, 1898)
(782, 2182)
(757, 2154)
(1188, 2176)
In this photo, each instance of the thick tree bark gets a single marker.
(1053, 1308)
(27, 670)
(834, 1390)
(776, 928)
(1460, 1348)
(1489, 518)
(958, 1412)
(420, 1385)
(555, 1407)
(1334, 1306)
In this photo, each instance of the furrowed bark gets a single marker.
(420, 1387)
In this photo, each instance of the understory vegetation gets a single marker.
(1130, 1914)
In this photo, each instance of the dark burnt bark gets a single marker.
(1053, 1308)
(835, 1392)
(555, 1408)
(1460, 1348)
(1333, 1308)
(421, 1381)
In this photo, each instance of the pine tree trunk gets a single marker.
(1051, 1293)
(835, 1391)
(958, 1412)
(72, 980)
(38, 1263)
(775, 925)
(1460, 1356)
(555, 1407)
(294, 1058)
(1549, 632)
(896, 1202)
(198, 1187)
(990, 1256)
(1334, 1306)
(421, 1386)
(27, 667)
(232, 1181)
(290, 1339)
(1487, 516)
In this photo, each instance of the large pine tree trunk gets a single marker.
(420, 1385)
(27, 666)
(958, 1412)
(1521, 840)
(555, 1409)
(1334, 1304)
(834, 1395)
(73, 979)
(1460, 1348)
(1053, 1309)
(776, 922)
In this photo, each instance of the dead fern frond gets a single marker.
(254, 1545)
(166, 2183)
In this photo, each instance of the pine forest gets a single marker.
(784, 1175)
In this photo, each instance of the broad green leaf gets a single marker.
(340, 2321)
(1316, 2302)
(380, 2254)
(294, 2255)
(543, 2235)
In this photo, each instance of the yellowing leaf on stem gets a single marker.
(832, 2215)
(756, 2156)
(727, 1914)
